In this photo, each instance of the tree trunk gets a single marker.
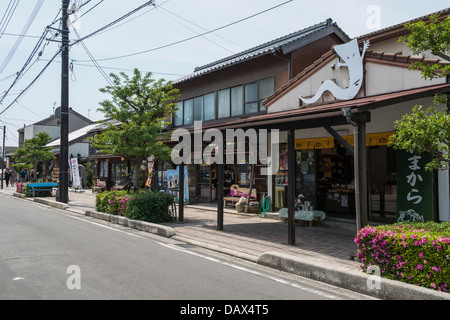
(136, 174)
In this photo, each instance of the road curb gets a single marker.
(52, 203)
(153, 228)
(352, 280)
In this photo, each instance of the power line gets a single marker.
(217, 44)
(20, 73)
(30, 20)
(7, 16)
(151, 2)
(32, 82)
(190, 38)
(99, 68)
(193, 23)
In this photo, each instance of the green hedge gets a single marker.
(416, 253)
(22, 187)
(112, 202)
(143, 205)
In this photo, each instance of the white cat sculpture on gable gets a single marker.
(353, 60)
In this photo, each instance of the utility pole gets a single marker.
(3, 154)
(64, 136)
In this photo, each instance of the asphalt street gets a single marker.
(47, 253)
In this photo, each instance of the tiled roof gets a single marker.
(399, 28)
(265, 48)
(330, 55)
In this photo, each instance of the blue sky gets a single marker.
(151, 28)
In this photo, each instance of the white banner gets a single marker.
(75, 173)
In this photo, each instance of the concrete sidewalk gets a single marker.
(320, 253)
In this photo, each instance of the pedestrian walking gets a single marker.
(13, 177)
(7, 176)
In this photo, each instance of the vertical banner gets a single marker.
(415, 199)
(173, 180)
(76, 181)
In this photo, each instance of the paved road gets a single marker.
(46, 253)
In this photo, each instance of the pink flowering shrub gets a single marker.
(416, 253)
(112, 202)
(21, 187)
(142, 205)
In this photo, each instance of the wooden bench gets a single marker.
(236, 193)
(303, 215)
(42, 186)
(100, 185)
(121, 185)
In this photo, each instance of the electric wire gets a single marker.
(198, 26)
(134, 18)
(27, 26)
(99, 68)
(32, 82)
(186, 39)
(151, 2)
(7, 16)
(213, 42)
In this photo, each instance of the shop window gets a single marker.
(198, 109)
(266, 88)
(223, 103)
(237, 101)
(209, 106)
(188, 111)
(178, 116)
(251, 98)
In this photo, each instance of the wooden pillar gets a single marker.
(181, 193)
(362, 155)
(291, 187)
(220, 184)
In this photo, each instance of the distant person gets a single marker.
(13, 177)
(23, 175)
(7, 176)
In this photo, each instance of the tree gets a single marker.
(34, 152)
(139, 109)
(427, 130)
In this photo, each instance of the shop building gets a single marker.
(325, 155)
(341, 163)
(234, 88)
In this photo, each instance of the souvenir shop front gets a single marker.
(325, 176)
(202, 178)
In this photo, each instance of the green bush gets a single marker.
(22, 187)
(143, 205)
(112, 202)
(416, 253)
(150, 206)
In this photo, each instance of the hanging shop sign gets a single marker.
(353, 60)
(317, 143)
(372, 139)
(415, 200)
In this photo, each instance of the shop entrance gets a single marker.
(325, 178)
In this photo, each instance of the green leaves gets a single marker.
(424, 131)
(427, 130)
(433, 36)
(416, 253)
(34, 151)
(140, 106)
